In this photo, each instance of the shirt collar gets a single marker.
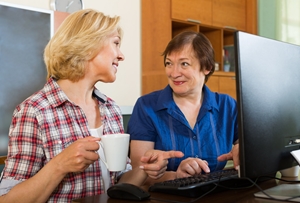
(56, 96)
(165, 99)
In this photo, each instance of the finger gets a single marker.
(172, 154)
(91, 156)
(149, 159)
(91, 146)
(153, 158)
(204, 166)
(154, 173)
(236, 161)
(189, 170)
(91, 139)
(196, 167)
(156, 177)
(225, 157)
(155, 166)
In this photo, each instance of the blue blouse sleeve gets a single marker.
(141, 125)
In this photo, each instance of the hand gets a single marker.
(156, 161)
(78, 156)
(232, 155)
(191, 166)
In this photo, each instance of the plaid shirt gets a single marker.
(43, 126)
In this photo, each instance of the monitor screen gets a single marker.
(24, 33)
(268, 98)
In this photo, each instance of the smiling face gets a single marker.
(184, 72)
(103, 67)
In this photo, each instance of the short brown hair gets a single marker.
(201, 46)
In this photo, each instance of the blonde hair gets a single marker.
(78, 40)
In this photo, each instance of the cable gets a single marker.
(270, 196)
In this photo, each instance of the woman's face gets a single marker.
(184, 72)
(103, 67)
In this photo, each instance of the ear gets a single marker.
(206, 71)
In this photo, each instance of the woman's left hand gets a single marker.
(232, 155)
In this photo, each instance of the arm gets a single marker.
(76, 158)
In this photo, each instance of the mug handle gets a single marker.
(101, 145)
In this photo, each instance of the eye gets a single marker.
(117, 42)
(167, 63)
(185, 64)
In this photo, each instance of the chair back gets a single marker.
(2, 160)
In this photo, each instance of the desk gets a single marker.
(226, 196)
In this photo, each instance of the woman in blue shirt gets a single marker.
(186, 115)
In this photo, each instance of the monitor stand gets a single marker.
(282, 192)
(289, 192)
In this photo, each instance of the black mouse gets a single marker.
(127, 191)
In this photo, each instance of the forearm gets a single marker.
(36, 189)
(139, 177)
(168, 175)
(136, 176)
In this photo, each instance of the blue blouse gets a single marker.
(158, 119)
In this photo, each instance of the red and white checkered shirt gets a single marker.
(43, 126)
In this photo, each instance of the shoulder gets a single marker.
(158, 97)
(151, 96)
(219, 101)
(225, 98)
(50, 96)
(34, 103)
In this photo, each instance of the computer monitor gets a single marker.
(268, 99)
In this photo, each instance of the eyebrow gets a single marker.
(181, 59)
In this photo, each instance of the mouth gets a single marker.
(178, 82)
(115, 66)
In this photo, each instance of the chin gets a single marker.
(180, 91)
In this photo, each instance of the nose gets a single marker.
(175, 71)
(121, 57)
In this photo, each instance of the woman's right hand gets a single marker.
(155, 162)
(78, 156)
(191, 166)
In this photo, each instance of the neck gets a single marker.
(194, 99)
(78, 92)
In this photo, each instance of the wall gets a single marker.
(127, 88)
(279, 20)
(267, 18)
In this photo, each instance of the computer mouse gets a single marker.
(127, 191)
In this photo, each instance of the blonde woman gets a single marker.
(51, 154)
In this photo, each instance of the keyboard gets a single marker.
(197, 185)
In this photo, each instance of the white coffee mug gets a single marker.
(115, 148)
(290, 172)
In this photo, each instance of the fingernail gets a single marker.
(141, 167)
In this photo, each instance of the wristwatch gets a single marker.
(69, 6)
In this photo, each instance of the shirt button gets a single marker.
(59, 142)
(194, 137)
(196, 156)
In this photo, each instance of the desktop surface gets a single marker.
(226, 196)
